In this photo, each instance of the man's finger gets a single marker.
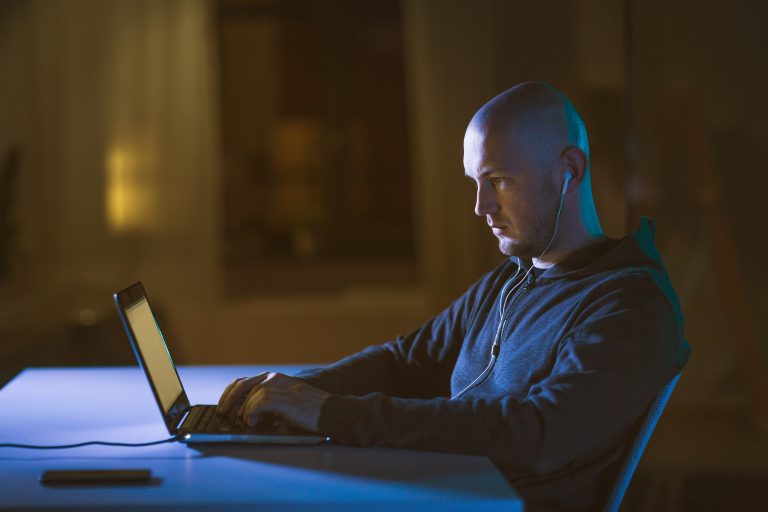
(239, 390)
(226, 393)
(253, 407)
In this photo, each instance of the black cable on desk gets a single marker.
(87, 443)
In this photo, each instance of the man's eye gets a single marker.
(497, 182)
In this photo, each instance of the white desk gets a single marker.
(70, 405)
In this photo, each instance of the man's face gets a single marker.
(515, 192)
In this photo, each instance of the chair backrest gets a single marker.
(637, 448)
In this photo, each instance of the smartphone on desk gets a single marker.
(96, 477)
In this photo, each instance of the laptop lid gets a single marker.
(149, 345)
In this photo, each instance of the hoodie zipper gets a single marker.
(496, 347)
(522, 293)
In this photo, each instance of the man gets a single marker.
(546, 364)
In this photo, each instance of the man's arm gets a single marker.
(601, 383)
(418, 365)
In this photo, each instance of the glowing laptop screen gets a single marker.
(157, 360)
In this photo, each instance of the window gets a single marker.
(316, 186)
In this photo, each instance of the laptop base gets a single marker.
(205, 438)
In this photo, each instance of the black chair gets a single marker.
(636, 450)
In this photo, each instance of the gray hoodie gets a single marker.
(584, 348)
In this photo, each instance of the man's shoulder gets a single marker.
(643, 286)
(628, 287)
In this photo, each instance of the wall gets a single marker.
(111, 105)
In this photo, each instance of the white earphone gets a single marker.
(566, 179)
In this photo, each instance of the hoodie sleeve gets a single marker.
(417, 365)
(624, 347)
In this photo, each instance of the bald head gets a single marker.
(527, 152)
(534, 117)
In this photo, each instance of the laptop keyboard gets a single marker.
(205, 419)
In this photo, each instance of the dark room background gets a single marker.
(285, 177)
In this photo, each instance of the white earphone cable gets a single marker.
(504, 296)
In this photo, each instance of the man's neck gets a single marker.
(567, 245)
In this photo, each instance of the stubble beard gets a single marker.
(540, 227)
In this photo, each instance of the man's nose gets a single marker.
(485, 202)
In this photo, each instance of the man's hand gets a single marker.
(289, 397)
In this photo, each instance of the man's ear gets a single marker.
(574, 161)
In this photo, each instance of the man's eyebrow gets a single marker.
(486, 172)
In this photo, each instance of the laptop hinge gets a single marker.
(183, 417)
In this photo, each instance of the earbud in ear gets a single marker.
(566, 179)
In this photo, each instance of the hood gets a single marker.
(636, 250)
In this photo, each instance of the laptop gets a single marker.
(191, 423)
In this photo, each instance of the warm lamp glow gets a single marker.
(128, 196)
